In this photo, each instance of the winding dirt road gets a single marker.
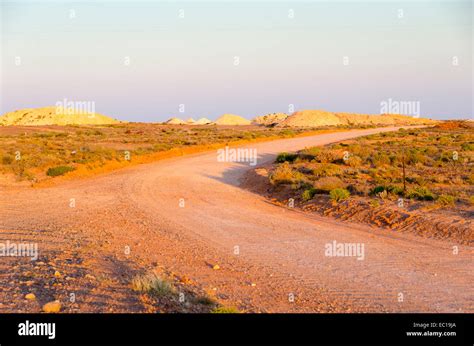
(271, 258)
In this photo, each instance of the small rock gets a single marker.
(184, 279)
(52, 307)
(57, 274)
(89, 276)
(253, 284)
(30, 296)
(216, 267)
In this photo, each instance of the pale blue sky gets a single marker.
(283, 60)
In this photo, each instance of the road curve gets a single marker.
(271, 258)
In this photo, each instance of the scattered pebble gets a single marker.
(52, 307)
(30, 296)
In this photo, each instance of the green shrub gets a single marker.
(381, 188)
(288, 133)
(327, 170)
(204, 300)
(308, 194)
(446, 200)
(284, 174)
(339, 194)
(326, 184)
(153, 284)
(354, 161)
(422, 194)
(59, 170)
(328, 156)
(467, 146)
(380, 159)
(224, 310)
(415, 156)
(374, 203)
(286, 157)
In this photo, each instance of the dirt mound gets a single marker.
(175, 121)
(54, 116)
(203, 121)
(313, 118)
(455, 124)
(190, 121)
(232, 119)
(270, 119)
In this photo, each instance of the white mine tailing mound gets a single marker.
(203, 121)
(313, 118)
(232, 119)
(270, 119)
(50, 116)
(175, 121)
(190, 121)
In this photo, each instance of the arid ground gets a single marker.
(190, 221)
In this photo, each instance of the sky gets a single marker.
(152, 60)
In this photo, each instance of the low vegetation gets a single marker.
(58, 170)
(168, 290)
(153, 284)
(38, 152)
(225, 310)
(428, 165)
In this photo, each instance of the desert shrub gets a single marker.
(328, 156)
(431, 151)
(467, 146)
(153, 284)
(321, 155)
(444, 140)
(7, 159)
(339, 194)
(470, 179)
(389, 189)
(354, 161)
(327, 170)
(374, 203)
(288, 133)
(380, 159)
(362, 190)
(284, 174)
(59, 170)
(446, 200)
(204, 300)
(446, 157)
(225, 310)
(414, 156)
(383, 194)
(471, 200)
(402, 132)
(421, 193)
(309, 153)
(308, 194)
(326, 184)
(286, 157)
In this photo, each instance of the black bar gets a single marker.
(220, 329)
